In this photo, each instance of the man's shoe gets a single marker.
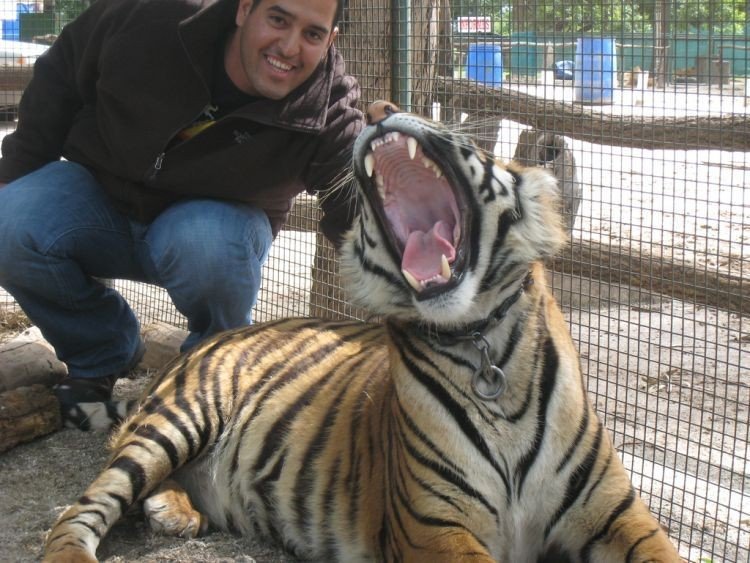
(74, 390)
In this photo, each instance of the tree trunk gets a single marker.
(661, 42)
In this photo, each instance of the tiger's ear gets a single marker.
(539, 233)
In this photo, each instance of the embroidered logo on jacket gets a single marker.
(241, 136)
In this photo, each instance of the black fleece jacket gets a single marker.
(127, 75)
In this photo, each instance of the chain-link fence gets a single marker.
(641, 108)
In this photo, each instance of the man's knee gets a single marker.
(209, 239)
(18, 232)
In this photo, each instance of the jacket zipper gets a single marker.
(158, 163)
(155, 168)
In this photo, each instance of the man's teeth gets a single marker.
(278, 64)
(442, 277)
(411, 146)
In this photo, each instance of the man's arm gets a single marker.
(64, 79)
(330, 173)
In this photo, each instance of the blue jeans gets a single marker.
(59, 231)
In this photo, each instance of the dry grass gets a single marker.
(13, 321)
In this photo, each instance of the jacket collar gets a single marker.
(305, 108)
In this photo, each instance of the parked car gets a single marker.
(17, 60)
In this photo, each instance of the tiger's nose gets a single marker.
(379, 110)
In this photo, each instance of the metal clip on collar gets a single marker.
(487, 375)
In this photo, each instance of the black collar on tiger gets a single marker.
(450, 337)
(489, 380)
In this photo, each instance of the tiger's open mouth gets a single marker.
(412, 190)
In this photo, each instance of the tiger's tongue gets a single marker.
(424, 251)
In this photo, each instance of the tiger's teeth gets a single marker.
(380, 184)
(446, 269)
(430, 165)
(412, 280)
(411, 145)
(369, 164)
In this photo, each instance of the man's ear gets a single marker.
(243, 9)
(334, 33)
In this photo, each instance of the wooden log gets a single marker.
(27, 413)
(163, 343)
(724, 132)
(637, 268)
(27, 359)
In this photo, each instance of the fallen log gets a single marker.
(638, 269)
(27, 413)
(724, 132)
(27, 359)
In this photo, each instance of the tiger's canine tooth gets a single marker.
(369, 164)
(412, 280)
(411, 145)
(446, 268)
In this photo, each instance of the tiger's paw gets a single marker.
(169, 512)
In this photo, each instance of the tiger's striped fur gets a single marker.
(352, 441)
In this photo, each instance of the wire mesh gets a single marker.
(648, 102)
(651, 103)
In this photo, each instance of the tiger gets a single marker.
(454, 426)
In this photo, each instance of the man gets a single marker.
(187, 127)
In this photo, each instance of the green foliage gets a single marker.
(70, 9)
(606, 16)
(591, 17)
(718, 16)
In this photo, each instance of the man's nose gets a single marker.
(289, 44)
(379, 110)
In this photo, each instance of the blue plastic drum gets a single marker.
(484, 63)
(594, 72)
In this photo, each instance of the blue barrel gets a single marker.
(595, 69)
(484, 63)
(10, 30)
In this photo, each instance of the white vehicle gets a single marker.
(16, 64)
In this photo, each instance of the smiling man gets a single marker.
(277, 45)
(163, 141)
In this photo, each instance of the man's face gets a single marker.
(279, 44)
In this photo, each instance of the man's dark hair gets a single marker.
(340, 4)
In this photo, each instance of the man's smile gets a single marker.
(278, 64)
